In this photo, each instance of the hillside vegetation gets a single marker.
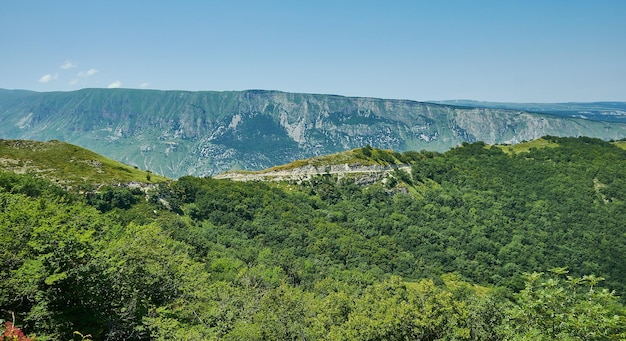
(366, 156)
(68, 164)
(478, 243)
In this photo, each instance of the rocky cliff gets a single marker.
(176, 133)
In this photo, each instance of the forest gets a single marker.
(478, 243)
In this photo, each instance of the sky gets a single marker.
(500, 51)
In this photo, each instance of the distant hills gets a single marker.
(176, 133)
(595, 111)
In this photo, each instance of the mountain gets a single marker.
(176, 133)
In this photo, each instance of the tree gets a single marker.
(397, 310)
(562, 307)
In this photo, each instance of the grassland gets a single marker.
(527, 146)
(366, 156)
(620, 144)
(67, 163)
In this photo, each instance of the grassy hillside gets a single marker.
(526, 146)
(69, 164)
(366, 156)
(620, 144)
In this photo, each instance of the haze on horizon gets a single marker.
(517, 51)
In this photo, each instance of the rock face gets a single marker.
(177, 133)
(362, 174)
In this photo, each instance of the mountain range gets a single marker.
(177, 133)
(595, 111)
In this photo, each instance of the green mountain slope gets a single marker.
(67, 164)
(521, 242)
(176, 133)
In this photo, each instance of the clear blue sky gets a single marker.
(514, 50)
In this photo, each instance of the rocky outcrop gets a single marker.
(361, 174)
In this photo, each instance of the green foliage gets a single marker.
(46, 251)
(141, 268)
(565, 308)
(108, 198)
(453, 257)
(394, 310)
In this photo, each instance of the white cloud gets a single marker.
(67, 65)
(48, 77)
(87, 73)
(144, 85)
(115, 84)
(81, 76)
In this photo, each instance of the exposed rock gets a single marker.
(362, 174)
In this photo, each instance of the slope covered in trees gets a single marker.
(478, 243)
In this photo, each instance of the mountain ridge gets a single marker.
(609, 111)
(176, 133)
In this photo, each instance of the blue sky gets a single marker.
(518, 51)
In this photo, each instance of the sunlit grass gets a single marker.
(620, 144)
(358, 156)
(68, 163)
(527, 146)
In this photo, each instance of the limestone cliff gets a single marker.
(176, 133)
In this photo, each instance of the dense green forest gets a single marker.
(477, 243)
